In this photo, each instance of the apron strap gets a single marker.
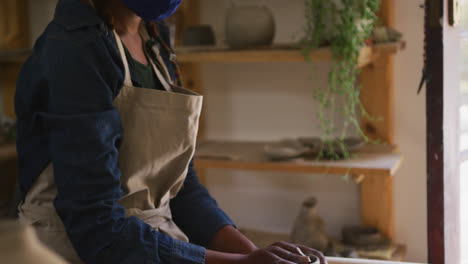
(166, 78)
(163, 81)
(128, 79)
(160, 62)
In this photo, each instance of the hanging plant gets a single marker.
(344, 26)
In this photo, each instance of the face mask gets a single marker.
(153, 10)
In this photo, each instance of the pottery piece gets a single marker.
(313, 259)
(386, 34)
(338, 249)
(315, 145)
(249, 25)
(368, 238)
(309, 228)
(202, 35)
(285, 149)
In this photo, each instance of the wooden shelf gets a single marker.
(278, 53)
(7, 152)
(264, 239)
(372, 160)
(275, 53)
(14, 56)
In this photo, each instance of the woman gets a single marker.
(105, 143)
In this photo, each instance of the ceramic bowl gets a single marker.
(314, 259)
(285, 149)
(364, 237)
(316, 145)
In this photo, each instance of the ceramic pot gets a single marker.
(385, 34)
(314, 259)
(309, 228)
(249, 25)
(315, 145)
(365, 238)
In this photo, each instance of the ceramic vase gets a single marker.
(309, 228)
(248, 25)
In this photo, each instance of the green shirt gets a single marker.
(144, 73)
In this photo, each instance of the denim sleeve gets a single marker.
(196, 212)
(85, 133)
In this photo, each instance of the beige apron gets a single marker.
(160, 135)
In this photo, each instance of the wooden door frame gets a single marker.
(435, 133)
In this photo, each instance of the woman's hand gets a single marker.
(277, 253)
(282, 253)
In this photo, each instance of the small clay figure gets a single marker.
(309, 228)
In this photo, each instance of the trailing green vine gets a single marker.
(344, 25)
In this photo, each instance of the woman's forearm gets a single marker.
(230, 240)
(215, 257)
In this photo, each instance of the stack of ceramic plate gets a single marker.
(310, 147)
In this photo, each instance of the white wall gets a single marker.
(273, 101)
(410, 133)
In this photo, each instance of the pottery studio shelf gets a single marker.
(274, 53)
(278, 53)
(14, 56)
(7, 152)
(263, 239)
(372, 160)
